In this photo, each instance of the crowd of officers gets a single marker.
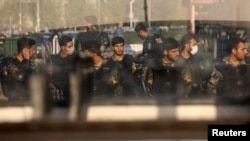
(165, 68)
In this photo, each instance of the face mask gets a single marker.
(194, 50)
(70, 51)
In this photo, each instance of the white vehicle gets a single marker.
(133, 44)
(133, 49)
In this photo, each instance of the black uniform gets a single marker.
(105, 80)
(152, 50)
(121, 76)
(14, 78)
(235, 82)
(196, 73)
(60, 78)
(165, 79)
(152, 45)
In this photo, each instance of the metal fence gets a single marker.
(8, 46)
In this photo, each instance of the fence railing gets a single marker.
(8, 46)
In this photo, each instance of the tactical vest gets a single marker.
(235, 82)
(165, 79)
(152, 46)
(14, 78)
(122, 74)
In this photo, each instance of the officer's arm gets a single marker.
(3, 70)
(149, 81)
(3, 67)
(214, 85)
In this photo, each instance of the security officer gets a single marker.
(166, 75)
(152, 44)
(151, 53)
(234, 70)
(123, 67)
(101, 81)
(62, 65)
(15, 71)
(196, 71)
(91, 34)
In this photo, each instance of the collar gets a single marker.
(228, 62)
(116, 59)
(166, 63)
